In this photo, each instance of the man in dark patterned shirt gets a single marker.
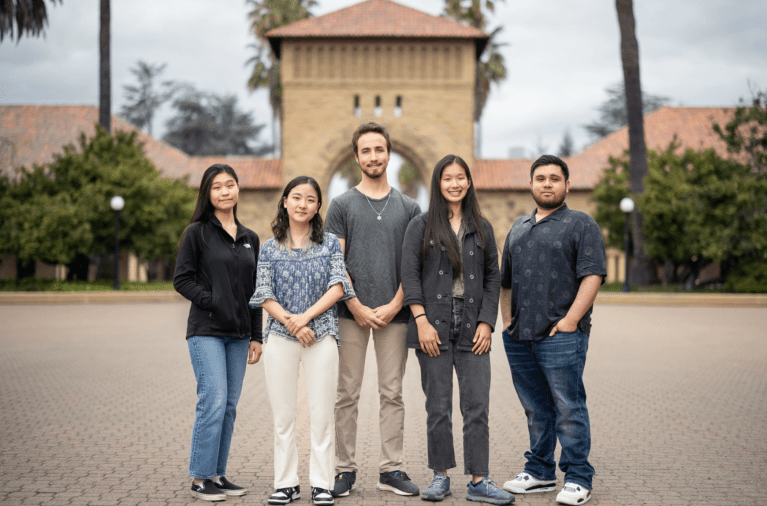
(553, 265)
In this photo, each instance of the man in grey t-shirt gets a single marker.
(370, 222)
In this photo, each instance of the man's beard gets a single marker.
(374, 175)
(549, 204)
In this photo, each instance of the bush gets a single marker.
(750, 277)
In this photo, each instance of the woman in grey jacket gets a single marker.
(451, 282)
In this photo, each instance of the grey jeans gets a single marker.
(473, 373)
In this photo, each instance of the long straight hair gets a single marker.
(281, 223)
(438, 229)
(203, 208)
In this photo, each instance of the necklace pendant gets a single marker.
(379, 217)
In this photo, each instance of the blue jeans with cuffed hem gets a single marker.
(548, 378)
(219, 366)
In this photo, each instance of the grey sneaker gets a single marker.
(344, 483)
(438, 489)
(487, 491)
(397, 482)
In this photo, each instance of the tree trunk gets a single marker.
(105, 79)
(641, 269)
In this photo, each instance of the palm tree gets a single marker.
(30, 17)
(266, 15)
(105, 72)
(491, 68)
(641, 271)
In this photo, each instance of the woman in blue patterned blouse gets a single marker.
(300, 276)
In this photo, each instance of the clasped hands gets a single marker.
(297, 325)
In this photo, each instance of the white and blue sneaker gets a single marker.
(527, 484)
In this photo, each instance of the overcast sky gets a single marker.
(560, 56)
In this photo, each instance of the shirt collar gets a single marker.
(556, 215)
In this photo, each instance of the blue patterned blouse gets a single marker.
(297, 280)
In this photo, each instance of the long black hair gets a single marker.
(203, 209)
(438, 229)
(281, 223)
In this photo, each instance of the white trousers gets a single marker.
(320, 361)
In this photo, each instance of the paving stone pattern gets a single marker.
(97, 404)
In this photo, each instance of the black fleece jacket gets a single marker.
(218, 274)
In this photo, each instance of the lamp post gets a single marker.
(627, 206)
(117, 203)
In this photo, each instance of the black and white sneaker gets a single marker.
(229, 488)
(525, 483)
(397, 482)
(207, 491)
(321, 496)
(285, 495)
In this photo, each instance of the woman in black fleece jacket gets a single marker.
(216, 270)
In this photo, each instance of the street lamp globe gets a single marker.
(627, 204)
(117, 203)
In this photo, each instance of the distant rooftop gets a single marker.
(691, 126)
(33, 134)
(377, 18)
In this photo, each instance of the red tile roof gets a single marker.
(37, 132)
(377, 18)
(691, 125)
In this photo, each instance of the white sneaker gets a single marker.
(573, 493)
(526, 484)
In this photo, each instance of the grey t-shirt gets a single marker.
(373, 247)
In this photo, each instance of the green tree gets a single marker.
(613, 114)
(143, 100)
(210, 124)
(266, 15)
(612, 187)
(567, 147)
(698, 208)
(60, 213)
(746, 133)
(29, 16)
(492, 67)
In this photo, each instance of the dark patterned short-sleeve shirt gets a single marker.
(543, 265)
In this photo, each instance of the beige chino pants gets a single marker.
(391, 356)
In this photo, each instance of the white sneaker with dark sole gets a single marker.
(527, 484)
(573, 494)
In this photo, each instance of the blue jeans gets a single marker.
(219, 366)
(548, 377)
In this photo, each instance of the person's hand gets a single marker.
(564, 325)
(387, 312)
(428, 338)
(482, 338)
(366, 317)
(295, 322)
(305, 336)
(254, 352)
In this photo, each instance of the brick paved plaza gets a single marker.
(97, 403)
